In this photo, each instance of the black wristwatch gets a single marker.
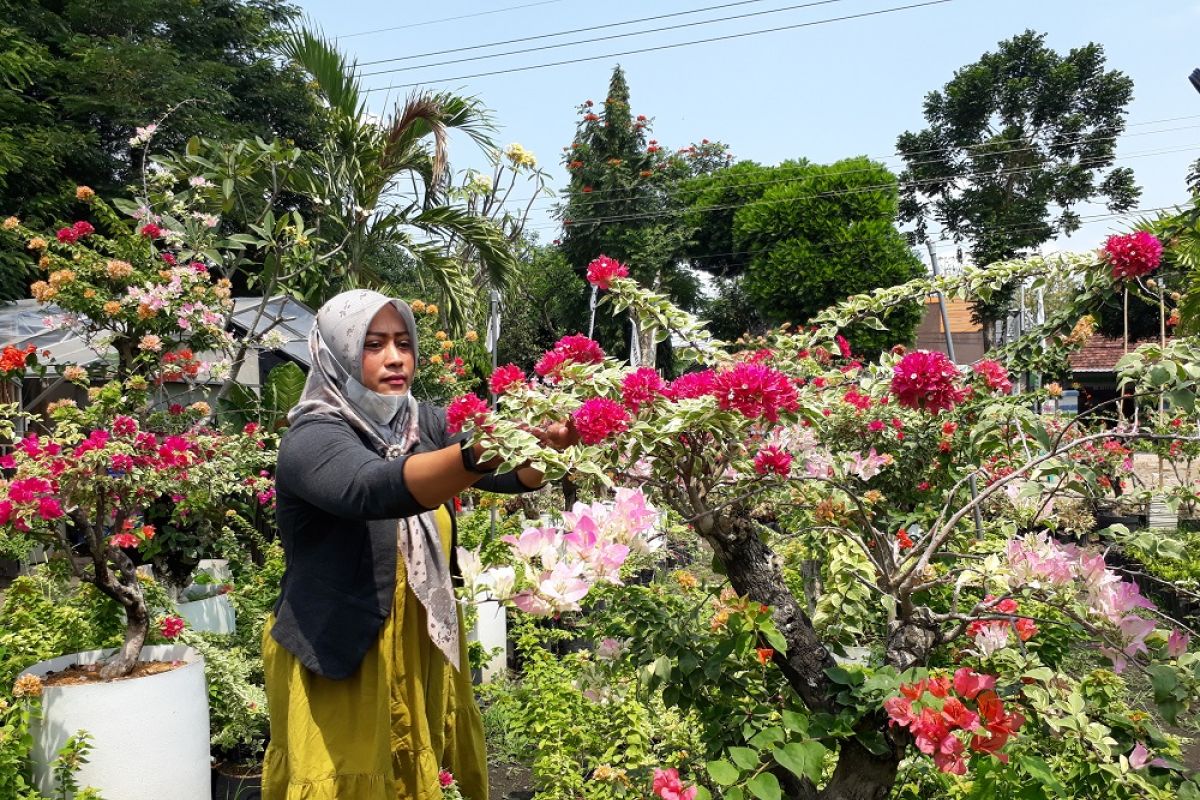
(469, 462)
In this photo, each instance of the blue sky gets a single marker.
(824, 92)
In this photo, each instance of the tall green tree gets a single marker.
(1014, 143)
(790, 240)
(622, 202)
(383, 188)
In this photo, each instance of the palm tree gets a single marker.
(381, 184)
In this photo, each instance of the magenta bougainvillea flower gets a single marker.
(641, 387)
(994, 375)
(505, 378)
(599, 418)
(1132, 255)
(755, 391)
(928, 381)
(574, 349)
(603, 270)
(463, 408)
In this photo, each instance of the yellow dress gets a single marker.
(385, 732)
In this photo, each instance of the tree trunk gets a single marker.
(755, 572)
(137, 626)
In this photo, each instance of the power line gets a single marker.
(559, 33)
(591, 40)
(665, 46)
(837, 193)
(840, 173)
(447, 19)
(1090, 219)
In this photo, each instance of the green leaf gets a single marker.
(795, 722)
(722, 772)
(775, 639)
(804, 759)
(1164, 680)
(744, 757)
(1039, 770)
(764, 786)
(844, 676)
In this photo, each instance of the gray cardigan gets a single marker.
(337, 503)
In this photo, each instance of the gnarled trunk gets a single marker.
(755, 571)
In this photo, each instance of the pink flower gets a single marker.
(875, 425)
(899, 709)
(151, 231)
(692, 384)
(603, 270)
(755, 391)
(506, 377)
(773, 459)
(124, 426)
(83, 228)
(67, 235)
(445, 778)
(968, 683)
(599, 418)
(577, 349)
(641, 387)
(843, 346)
(171, 626)
(532, 541)
(994, 375)
(926, 380)
(124, 540)
(1133, 254)
(1177, 643)
(49, 508)
(668, 786)
(466, 408)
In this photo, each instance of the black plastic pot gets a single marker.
(232, 783)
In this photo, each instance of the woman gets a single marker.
(367, 685)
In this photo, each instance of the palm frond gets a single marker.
(333, 74)
(483, 237)
(420, 116)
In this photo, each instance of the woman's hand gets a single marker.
(558, 435)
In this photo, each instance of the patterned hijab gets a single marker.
(334, 388)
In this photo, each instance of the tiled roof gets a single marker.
(1100, 354)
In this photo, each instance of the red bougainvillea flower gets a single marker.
(773, 459)
(464, 408)
(641, 387)
(505, 378)
(171, 626)
(603, 270)
(994, 375)
(13, 359)
(67, 235)
(445, 778)
(755, 391)
(843, 346)
(927, 380)
(576, 349)
(969, 683)
(765, 654)
(151, 231)
(1132, 255)
(83, 228)
(599, 418)
(903, 539)
(692, 384)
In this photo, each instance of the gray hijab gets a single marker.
(334, 388)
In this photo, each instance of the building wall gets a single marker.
(968, 338)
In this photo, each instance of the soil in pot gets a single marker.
(78, 674)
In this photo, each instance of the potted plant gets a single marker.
(101, 481)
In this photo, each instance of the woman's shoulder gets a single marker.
(313, 431)
(432, 421)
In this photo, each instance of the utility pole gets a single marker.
(933, 265)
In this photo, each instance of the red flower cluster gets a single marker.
(445, 778)
(903, 539)
(76, 232)
(857, 399)
(464, 408)
(641, 387)
(692, 384)
(1026, 628)
(843, 347)
(927, 380)
(14, 359)
(934, 722)
(755, 391)
(505, 378)
(599, 418)
(178, 364)
(602, 271)
(773, 459)
(1133, 254)
(151, 231)
(994, 375)
(576, 349)
(171, 626)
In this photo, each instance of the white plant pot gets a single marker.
(491, 630)
(149, 735)
(211, 614)
(216, 568)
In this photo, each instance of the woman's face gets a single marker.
(387, 358)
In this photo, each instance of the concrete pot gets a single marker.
(491, 630)
(149, 735)
(211, 614)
